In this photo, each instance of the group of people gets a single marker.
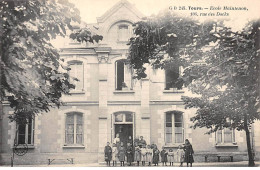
(138, 151)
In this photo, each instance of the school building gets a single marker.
(107, 100)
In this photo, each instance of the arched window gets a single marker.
(174, 127)
(123, 75)
(77, 74)
(74, 129)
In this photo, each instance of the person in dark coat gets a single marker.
(156, 156)
(108, 154)
(129, 154)
(121, 154)
(188, 153)
(164, 155)
(154, 147)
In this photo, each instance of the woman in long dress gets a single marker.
(117, 141)
(188, 153)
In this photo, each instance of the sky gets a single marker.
(90, 9)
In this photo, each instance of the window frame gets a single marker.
(165, 79)
(123, 118)
(26, 133)
(125, 75)
(173, 130)
(75, 117)
(233, 137)
(76, 90)
(119, 39)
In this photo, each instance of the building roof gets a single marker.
(116, 7)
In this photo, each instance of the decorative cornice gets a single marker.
(102, 58)
(103, 54)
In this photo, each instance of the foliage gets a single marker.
(32, 75)
(228, 80)
(220, 65)
(162, 39)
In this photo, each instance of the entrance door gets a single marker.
(123, 124)
(124, 131)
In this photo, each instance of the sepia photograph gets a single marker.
(129, 83)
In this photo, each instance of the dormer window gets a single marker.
(123, 33)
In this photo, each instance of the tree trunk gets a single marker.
(251, 161)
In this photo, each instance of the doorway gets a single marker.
(123, 124)
(124, 131)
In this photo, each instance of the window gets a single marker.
(25, 133)
(123, 33)
(123, 117)
(74, 129)
(119, 74)
(123, 75)
(225, 135)
(174, 130)
(77, 72)
(172, 71)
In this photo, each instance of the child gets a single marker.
(129, 154)
(114, 154)
(156, 156)
(121, 154)
(108, 153)
(171, 157)
(164, 154)
(143, 154)
(180, 155)
(137, 154)
(149, 155)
